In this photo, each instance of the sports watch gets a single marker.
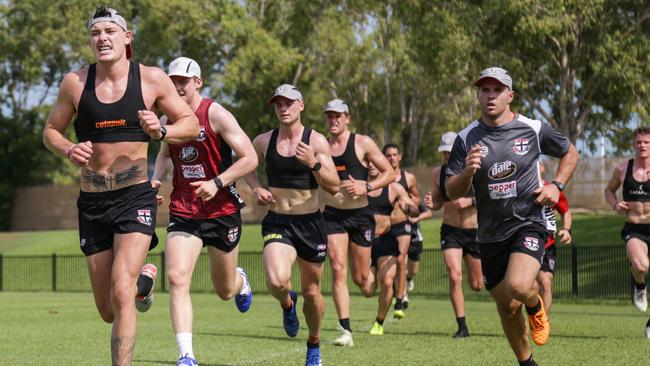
(316, 167)
(559, 185)
(163, 132)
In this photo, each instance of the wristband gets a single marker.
(218, 182)
(69, 152)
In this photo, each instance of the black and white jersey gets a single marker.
(509, 173)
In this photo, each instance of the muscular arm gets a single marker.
(567, 165)
(374, 155)
(260, 144)
(614, 184)
(326, 176)
(413, 187)
(163, 163)
(60, 117)
(436, 193)
(402, 198)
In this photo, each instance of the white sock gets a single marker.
(245, 288)
(184, 341)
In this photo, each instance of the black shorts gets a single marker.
(125, 210)
(384, 246)
(221, 232)
(638, 231)
(306, 233)
(495, 256)
(415, 250)
(401, 228)
(455, 237)
(359, 223)
(548, 262)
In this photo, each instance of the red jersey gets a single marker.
(562, 207)
(200, 160)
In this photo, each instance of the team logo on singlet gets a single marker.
(202, 135)
(638, 192)
(531, 243)
(484, 150)
(193, 171)
(521, 146)
(233, 234)
(502, 170)
(188, 154)
(144, 217)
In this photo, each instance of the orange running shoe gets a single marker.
(540, 326)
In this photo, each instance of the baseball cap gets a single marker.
(288, 91)
(447, 141)
(105, 14)
(185, 67)
(336, 105)
(496, 73)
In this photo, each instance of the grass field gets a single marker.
(588, 229)
(64, 329)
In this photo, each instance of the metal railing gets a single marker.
(585, 272)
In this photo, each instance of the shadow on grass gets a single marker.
(254, 336)
(158, 362)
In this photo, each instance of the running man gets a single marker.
(348, 220)
(414, 253)
(385, 248)
(204, 208)
(457, 236)
(497, 155)
(115, 102)
(634, 176)
(298, 161)
(401, 228)
(546, 274)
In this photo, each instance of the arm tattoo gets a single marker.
(108, 182)
(122, 350)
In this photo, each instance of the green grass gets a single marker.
(60, 329)
(588, 230)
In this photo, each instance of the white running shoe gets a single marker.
(641, 299)
(410, 285)
(345, 339)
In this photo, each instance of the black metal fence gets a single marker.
(585, 272)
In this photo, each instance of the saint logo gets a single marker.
(502, 170)
(202, 135)
(188, 154)
(83, 242)
(144, 217)
(233, 234)
(531, 243)
(521, 146)
(368, 235)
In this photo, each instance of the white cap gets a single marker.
(447, 141)
(288, 91)
(496, 73)
(336, 105)
(185, 67)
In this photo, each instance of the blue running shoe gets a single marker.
(186, 361)
(313, 357)
(290, 318)
(244, 298)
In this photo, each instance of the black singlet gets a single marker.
(402, 180)
(381, 204)
(347, 164)
(288, 172)
(113, 122)
(634, 190)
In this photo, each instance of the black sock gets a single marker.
(648, 323)
(461, 323)
(408, 278)
(528, 362)
(313, 345)
(534, 309)
(345, 323)
(398, 304)
(145, 283)
(639, 286)
(380, 321)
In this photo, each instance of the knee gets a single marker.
(455, 276)
(311, 294)
(640, 265)
(178, 279)
(519, 289)
(387, 282)
(106, 312)
(476, 284)
(339, 271)
(224, 293)
(277, 284)
(360, 279)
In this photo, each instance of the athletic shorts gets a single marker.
(221, 232)
(415, 250)
(495, 256)
(548, 262)
(384, 246)
(306, 233)
(639, 231)
(359, 223)
(454, 237)
(126, 210)
(401, 228)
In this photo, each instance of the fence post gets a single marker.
(54, 272)
(162, 271)
(574, 269)
(1, 272)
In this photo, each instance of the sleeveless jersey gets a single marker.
(113, 122)
(402, 180)
(348, 165)
(381, 204)
(199, 160)
(288, 172)
(633, 190)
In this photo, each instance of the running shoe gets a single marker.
(313, 357)
(345, 339)
(647, 329)
(290, 318)
(641, 299)
(398, 314)
(146, 284)
(186, 361)
(410, 285)
(540, 326)
(377, 329)
(405, 302)
(244, 298)
(461, 333)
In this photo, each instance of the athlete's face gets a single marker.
(494, 98)
(337, 122)
(373, 172)
(394, 157)
(108, 41)
(187, 88)
(642, 145)
(288, 110)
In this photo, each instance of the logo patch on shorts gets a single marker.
(144, 217)
(322, 249)
(233, 234)
(532, 243)
(551, 264)
(407, 228)
(83, 242)
(521, 146)
(272, 236)
(368, 235)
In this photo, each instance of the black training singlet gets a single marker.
(347, 164)
(402, 180)
(288, 172)
(113, 122)
(634, 190)
(381, 204)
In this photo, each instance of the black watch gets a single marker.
(316, 167)
(218, 182)
(163, 132)
(559, 185)
(368, 187)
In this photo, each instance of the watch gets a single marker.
(163, 132)
(559, 185)
(368, 187)
(316, 167)
(218, 182)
